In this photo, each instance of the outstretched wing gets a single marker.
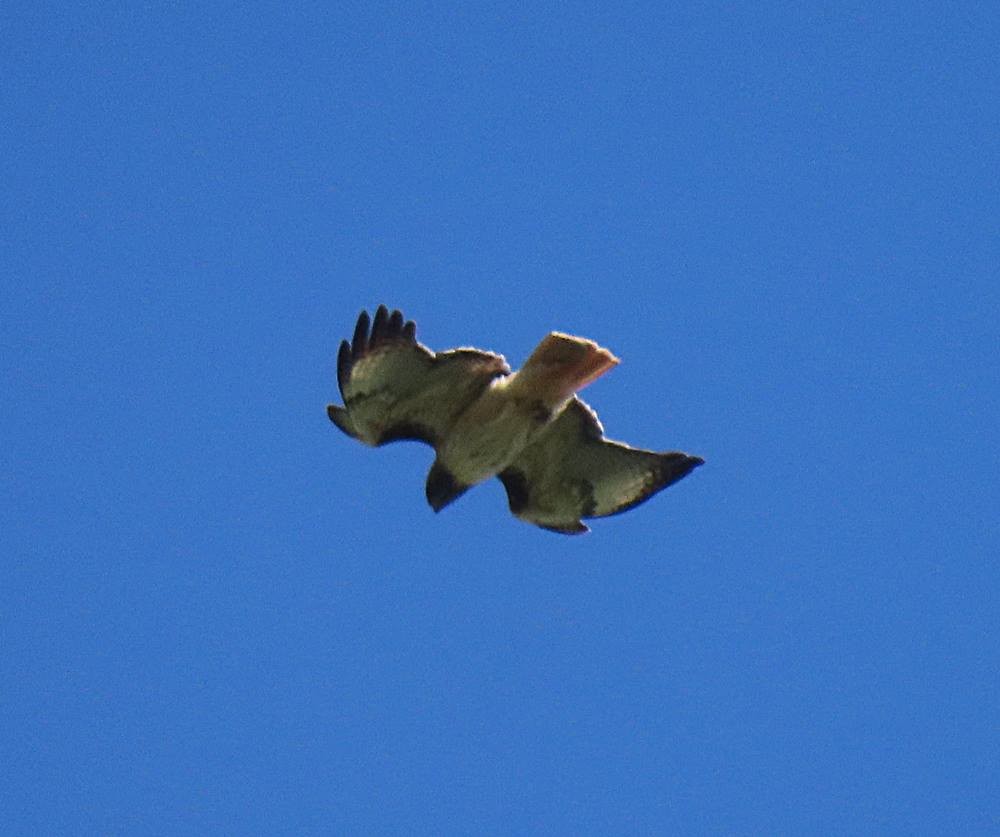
(571, 472)
(395, 388)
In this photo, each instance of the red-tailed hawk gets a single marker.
(527, 427)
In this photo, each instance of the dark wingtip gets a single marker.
(395, 325)
(338, 415)
(360, 340)
(368, 333)
(378, 326)
(343, 365)
(676, 465)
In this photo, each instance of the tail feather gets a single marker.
(561, 365)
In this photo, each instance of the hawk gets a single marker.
(528, 427)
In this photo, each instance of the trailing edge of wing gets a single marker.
(396, 389)
(571, 472)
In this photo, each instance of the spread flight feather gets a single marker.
(527, 427)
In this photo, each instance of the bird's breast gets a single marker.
(490, 434)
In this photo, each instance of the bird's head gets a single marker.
(442, 487)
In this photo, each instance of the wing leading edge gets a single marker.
(395, 388)
(572, 472)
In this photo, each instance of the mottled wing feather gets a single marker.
(572, 472)
(395, 388)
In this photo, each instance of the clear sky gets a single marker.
(220, 615)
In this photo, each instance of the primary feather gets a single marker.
(528, 428)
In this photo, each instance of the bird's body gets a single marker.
(527, 427)
(514, 409)
(490, 433)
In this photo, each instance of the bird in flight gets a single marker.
(527, 427)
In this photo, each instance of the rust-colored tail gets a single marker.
(560, 366)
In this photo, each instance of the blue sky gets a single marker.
(219, 615)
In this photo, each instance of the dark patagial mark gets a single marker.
(406, 431)
(516, 485)
(442, 487)
(576, 528)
